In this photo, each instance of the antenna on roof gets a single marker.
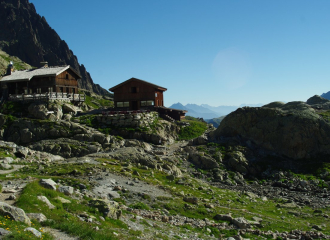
(44, 64)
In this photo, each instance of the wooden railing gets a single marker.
(47, 96)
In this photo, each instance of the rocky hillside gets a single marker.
(296, 130)
(65, 175)
(27, 35)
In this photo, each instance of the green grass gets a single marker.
(64, 215)
(194, 130)
(102, 102)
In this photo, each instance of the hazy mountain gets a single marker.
(215, 121)
(326, 95)
(27, 35)
(195, 110)
(209, 112)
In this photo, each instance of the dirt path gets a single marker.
(15, 168)
(58, 235)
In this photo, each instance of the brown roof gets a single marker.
(136, 79)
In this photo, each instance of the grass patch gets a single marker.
(195, 129)
(63, 217)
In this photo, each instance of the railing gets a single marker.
(104, 113)
(47, 96)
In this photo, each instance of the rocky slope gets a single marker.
(72, 181)
(27, 35)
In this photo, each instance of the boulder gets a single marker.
(34, 231)
(67, 190)
(48, 183)
(204, 161)
(241, 223)
(45, 200)
(68, 108)
(8, 160)
(238, 162)
(15, 213)
(38, 111)
(37, 216)
(292, 130)
(193, 200)
(4, 232)
(108, 208)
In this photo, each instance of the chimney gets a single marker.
(44, 64)
(10, 68)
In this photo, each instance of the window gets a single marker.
(66, 76)
(133, 90)
(38, 90)
(126, 104)
(122, 104)
(73, 90)
(155, 94)
(147, 103)
(50, 89)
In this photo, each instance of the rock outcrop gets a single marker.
(27, 35)
(293, 130)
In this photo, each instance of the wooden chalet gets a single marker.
(58, 82)
(136, 94)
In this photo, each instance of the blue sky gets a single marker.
(216, 52)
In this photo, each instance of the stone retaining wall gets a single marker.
(128, 120)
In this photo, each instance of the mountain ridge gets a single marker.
(27, 35)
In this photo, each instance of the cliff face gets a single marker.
(27, 35)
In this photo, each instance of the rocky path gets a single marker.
(106, 182)
(58, 235)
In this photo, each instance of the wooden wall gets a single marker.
(138, 91)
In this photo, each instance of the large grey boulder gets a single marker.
(37, 216)
(48, 183)
(68, 108)
(38, 110)
(293, 130)
(67, 190)
(108, 208)
(46, 201)
(201, 159)
(238, 162)
(15, 213)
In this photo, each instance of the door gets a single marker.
(134, 105)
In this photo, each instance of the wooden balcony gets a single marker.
(47, 96)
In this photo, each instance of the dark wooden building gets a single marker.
(136, 94)
(50, 80)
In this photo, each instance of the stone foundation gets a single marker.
(136, 120)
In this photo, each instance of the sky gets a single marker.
(216, 52)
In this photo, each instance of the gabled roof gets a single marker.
(26, 75)
(139, 80)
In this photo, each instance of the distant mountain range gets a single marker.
(206, 111)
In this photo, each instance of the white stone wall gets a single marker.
(128, 120)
